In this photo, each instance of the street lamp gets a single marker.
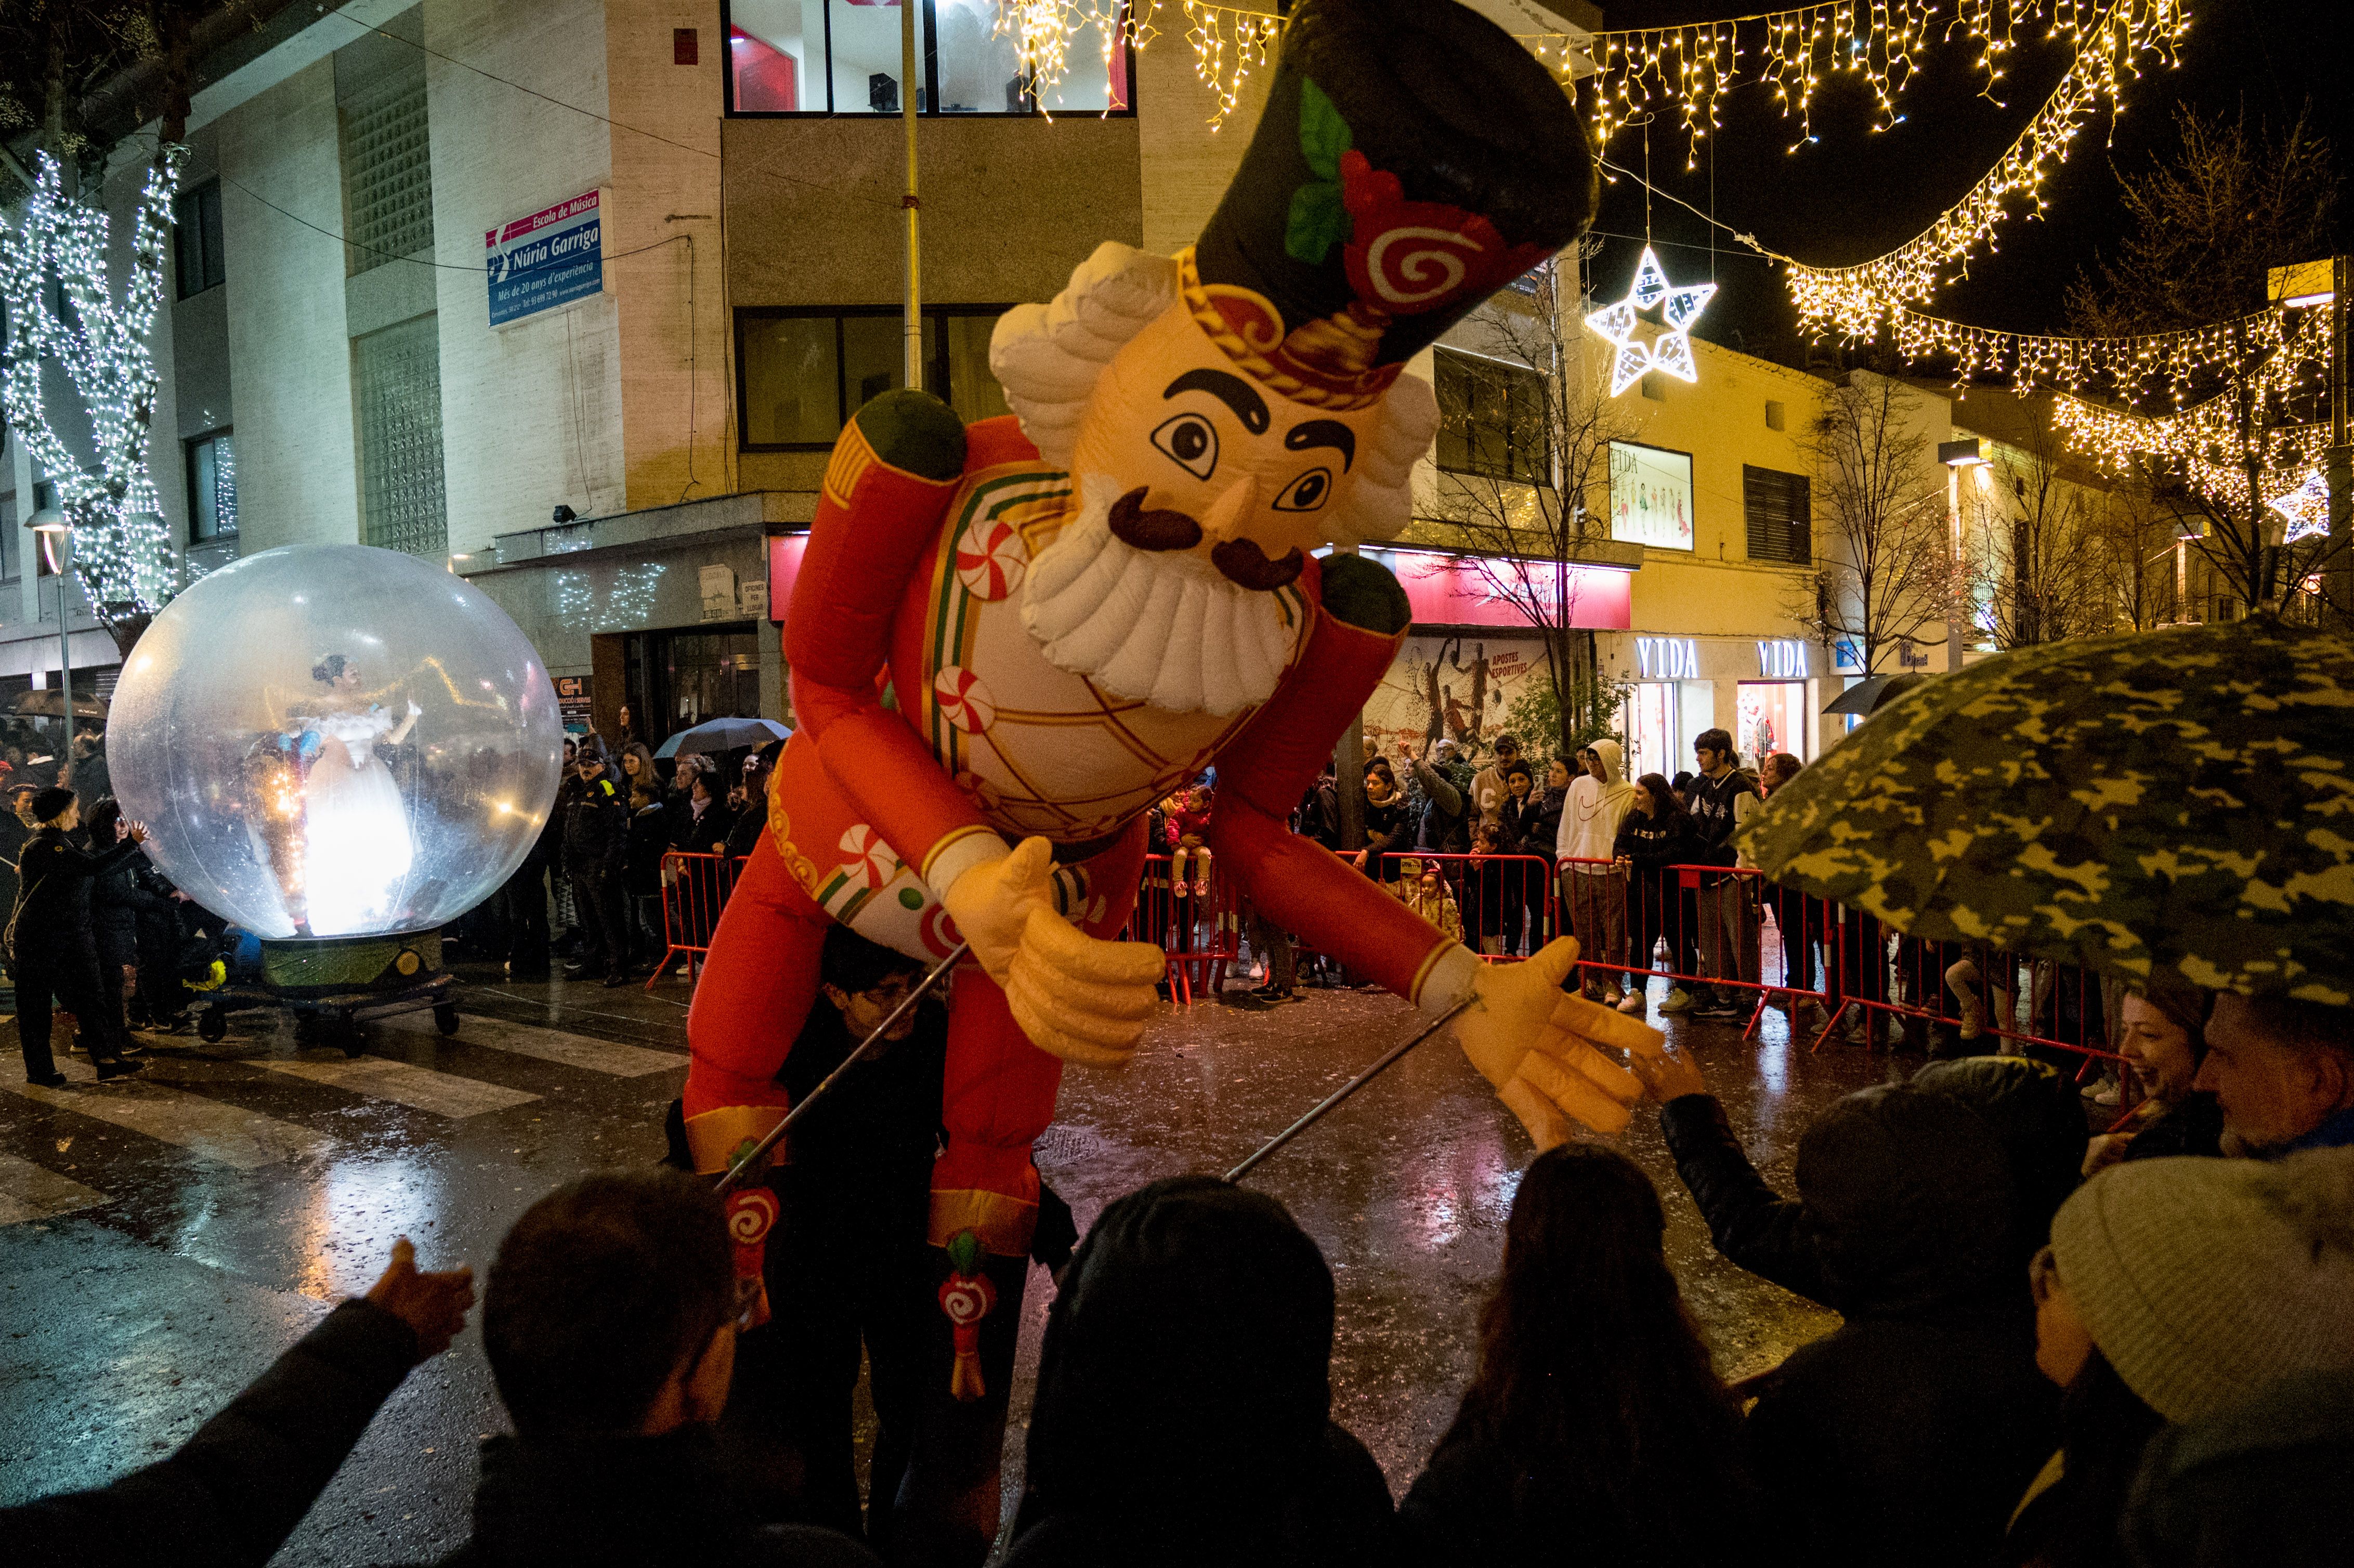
(1956, 455)
(57, 547)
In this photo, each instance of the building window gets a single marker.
(1773, 415)
(1491, 418)
(387, 159)
(801, 375)
(842, 57)
(196, 239)
(396, 387)
(12, 549)
(1781, 525)
(212, 488)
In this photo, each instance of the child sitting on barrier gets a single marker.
(1189, 858)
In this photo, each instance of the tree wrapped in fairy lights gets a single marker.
(61, 305)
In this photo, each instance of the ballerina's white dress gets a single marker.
(358, 845)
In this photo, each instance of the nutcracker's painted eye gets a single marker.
(1307, 493)
(1191, 440)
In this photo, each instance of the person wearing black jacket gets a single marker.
(1183, 1413)
(1722, 797)
(1909, 1434)
(609, 1320)
(849, 1265)
(55, 945)
(595, 853)
(230, 1495)
(1654, 835)
(642, 872)
(120, 900)
(15, 827)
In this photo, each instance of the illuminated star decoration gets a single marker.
(1678, 309)
(2306, 508)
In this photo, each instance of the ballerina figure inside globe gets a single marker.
(344, 852)
(335, 741)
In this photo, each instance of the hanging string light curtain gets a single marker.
(2135, 368)
(1637, 73)
(1855, 301)
(2208, 439)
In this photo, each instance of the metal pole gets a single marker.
(65, 651)
(759, 1151)
(1350, 1087)
(915, 317)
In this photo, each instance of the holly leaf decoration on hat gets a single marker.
(1318, 218)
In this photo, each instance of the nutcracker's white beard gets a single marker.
(1160, 627)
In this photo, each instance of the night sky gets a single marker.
(1853, 195)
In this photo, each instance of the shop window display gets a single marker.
(1772, 718)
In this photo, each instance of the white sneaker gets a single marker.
(1678, 1000)
(2107, 1094)
(1631, 1002)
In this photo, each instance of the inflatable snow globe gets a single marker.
(332, 741)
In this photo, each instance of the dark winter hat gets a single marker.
(1412, 159)
(50, 804)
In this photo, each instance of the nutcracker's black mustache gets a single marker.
(1238, 560)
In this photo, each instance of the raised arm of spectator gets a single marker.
(1439, 787)
(1754, 1227)
(233, 1492)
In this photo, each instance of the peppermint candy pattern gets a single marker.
(963, 700)
(867, 861)
(990, 558)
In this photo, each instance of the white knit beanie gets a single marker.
(2202, 1281)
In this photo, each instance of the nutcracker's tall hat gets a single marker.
(1412, 159)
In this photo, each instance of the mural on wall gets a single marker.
(1650, 496)
(1450, 688)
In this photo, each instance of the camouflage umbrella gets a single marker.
(2164, 805)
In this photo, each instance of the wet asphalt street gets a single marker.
(160, 1241)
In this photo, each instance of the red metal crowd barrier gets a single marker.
(695, 891)
(1725, 927)
(1196, 920)
(1503, 907)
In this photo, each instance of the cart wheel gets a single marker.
(445, 1019)
(212, 1025)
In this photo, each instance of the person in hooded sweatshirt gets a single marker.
(1909, 1434)
(1183, 1411)
(1592, 883)
(609, 1323)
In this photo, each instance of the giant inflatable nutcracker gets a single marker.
(1008, 639)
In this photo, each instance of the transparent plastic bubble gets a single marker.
(334, 740)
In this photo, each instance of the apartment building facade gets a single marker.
(576, 295)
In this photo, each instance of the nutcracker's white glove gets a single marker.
(1537, 1044)
(1076, 996)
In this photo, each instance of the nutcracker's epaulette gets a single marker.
(1361, 593)
(914, 432)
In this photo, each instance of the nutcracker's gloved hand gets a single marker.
(1076, 996)
(1537, 1044)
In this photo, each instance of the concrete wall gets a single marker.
(677, 379)
(289, 351)
(1719, 419)
(531, 413)
(1185, 165)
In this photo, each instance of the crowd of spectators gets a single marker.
(601, 861)
(2152, 1367)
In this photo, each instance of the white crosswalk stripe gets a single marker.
(30, 1191)
(444, 1094)
(243, 1138)
(552, 1045)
